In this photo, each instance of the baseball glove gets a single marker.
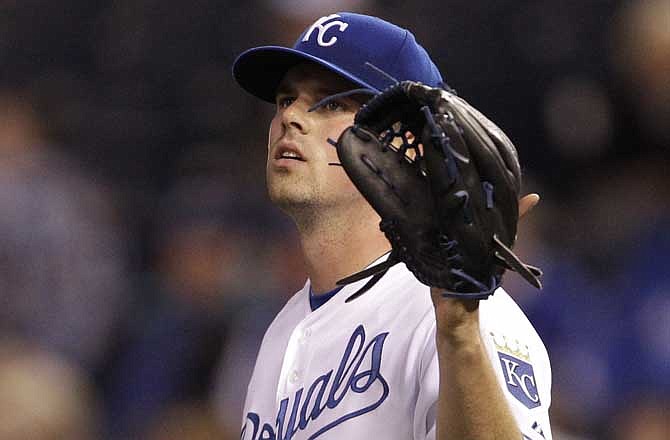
(445, 181)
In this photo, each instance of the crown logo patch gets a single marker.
(518, 371)
(511, 346)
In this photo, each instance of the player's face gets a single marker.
(298, 174)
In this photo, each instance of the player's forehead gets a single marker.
(310, 77)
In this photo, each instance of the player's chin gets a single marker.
(291, 203)
(285, 190)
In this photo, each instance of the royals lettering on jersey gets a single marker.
(296, 412)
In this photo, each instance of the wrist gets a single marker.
(459, 335)
(457, 319)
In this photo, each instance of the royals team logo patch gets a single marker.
(517, 370)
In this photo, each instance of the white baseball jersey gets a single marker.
(368, 369)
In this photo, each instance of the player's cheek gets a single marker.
(335, 135)
(274, 131)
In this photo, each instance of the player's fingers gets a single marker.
(527, 203)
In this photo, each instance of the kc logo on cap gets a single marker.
(322, 25)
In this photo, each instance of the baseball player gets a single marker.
(385, 356)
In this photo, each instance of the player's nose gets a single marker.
(296, 117)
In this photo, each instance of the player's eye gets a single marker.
(334, 106)
(284, 101)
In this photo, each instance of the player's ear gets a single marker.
(527, 203)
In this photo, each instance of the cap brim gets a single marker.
(260, 70)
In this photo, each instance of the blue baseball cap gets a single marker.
(366, 50)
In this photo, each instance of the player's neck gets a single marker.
(336, 247)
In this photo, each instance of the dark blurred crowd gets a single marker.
(140, 260)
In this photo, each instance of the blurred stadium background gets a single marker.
(140, 260)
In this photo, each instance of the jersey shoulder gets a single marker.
(501, 314)
(504, 326)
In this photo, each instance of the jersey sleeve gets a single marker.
(520, 362)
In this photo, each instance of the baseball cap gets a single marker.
(366, 50)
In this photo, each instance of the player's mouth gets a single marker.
(287, 152)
